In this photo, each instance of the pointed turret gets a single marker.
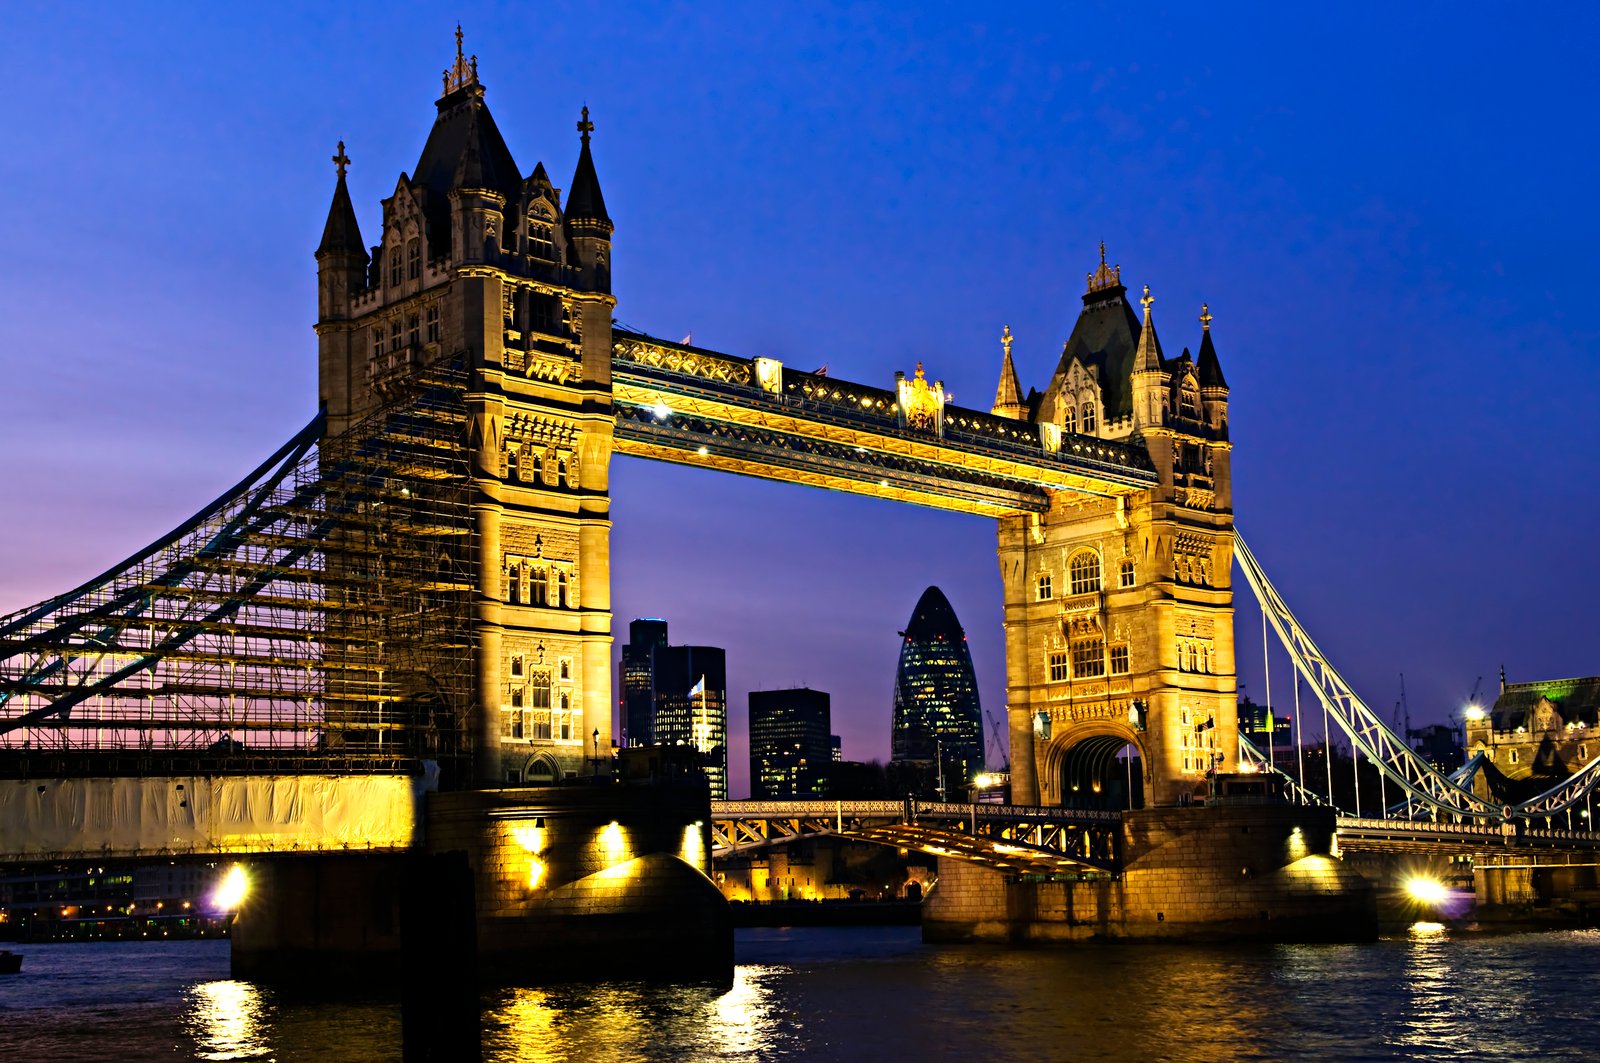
(1207, 365)
(584, 202)
(589, 227)
(341, 259)
(1213, 385)
(342, 232)
(1147, 357)
(1147, 379)
(1008, 396)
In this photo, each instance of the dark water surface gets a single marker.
(870, 994)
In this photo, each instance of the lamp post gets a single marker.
(597, 752)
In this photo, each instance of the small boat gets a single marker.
(10, 962)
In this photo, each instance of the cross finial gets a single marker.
(1102, 254)
(584, 125)
(458, 43)
(1005, 339)
(1146, 301)
(341, 160)
(1205, 317)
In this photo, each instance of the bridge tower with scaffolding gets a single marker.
(487, 274)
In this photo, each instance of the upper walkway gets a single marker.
(755, 416)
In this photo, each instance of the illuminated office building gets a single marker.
(937, 719)
(791, 750)
(676, 695)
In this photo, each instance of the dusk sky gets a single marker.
(1389, 210)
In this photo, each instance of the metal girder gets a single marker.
(1013, 838)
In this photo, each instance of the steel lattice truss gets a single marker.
(1013, 838)
(1423, 786)
(317, 610)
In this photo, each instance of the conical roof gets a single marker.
(584, 202)
(1207, 366)
(1008, 395)
(933, 618)
(342, 232)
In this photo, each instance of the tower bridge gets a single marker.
(413, 595)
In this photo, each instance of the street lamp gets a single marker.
(597, 752)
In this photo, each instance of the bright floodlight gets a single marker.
(230, 892)
(661, 411)
(1426, 890)
(1474, 713)
(983, 781)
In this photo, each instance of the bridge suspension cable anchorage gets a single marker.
(301, 620)
(1428, 791)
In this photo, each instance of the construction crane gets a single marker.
(997, 735)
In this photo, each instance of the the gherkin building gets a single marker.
(937, 719)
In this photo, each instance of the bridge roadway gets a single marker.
(1041, 840)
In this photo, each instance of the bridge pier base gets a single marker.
(1549, 888)
(1219, 873)
(543, 884)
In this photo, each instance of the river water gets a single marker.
(870, 994)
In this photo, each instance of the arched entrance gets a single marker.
(1102, 772)
(541, 770)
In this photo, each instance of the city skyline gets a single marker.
(1384, 463)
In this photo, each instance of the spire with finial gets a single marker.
(1148, 356)
(1207, 367)
(585, 203)
(341, 233)
(1105, 276)
(463, 72)
(1008, 395)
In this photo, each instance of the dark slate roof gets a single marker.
(342, 232)
(1106, 335)
(1577, 700)
(933, 618)
(464, 145)
(1208, 367)
(584, 202)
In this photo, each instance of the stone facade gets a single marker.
(1534, 736)
(1119, 611)
(476, 264)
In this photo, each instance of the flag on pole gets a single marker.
(698, 688)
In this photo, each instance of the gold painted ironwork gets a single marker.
(1105, 276)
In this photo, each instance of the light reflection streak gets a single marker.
(229, 1021)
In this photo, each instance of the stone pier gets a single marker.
(524, 885)
(1237, 873)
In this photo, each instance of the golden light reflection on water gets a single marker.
(632, 1021)
(229, 1021)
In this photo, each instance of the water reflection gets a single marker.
(228, 1020)
(629, 1021)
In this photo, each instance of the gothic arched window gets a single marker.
(413, 259)
(1125, 573)
(1070, 424)
(561, 590)
(1088, 417)
(514, 589)
(1083, 572)
(541, 233)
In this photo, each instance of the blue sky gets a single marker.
(1389, 209)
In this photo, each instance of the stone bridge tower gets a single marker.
(480, 266)
(1119, 612)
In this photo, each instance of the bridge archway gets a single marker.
(1101, 771)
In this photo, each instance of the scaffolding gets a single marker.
(315, 617)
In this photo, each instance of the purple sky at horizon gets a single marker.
(1390, 214)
